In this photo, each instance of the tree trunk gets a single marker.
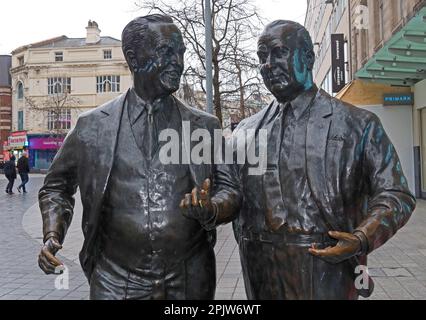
(240, 83)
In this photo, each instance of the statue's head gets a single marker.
(286, 59)
(154, 49)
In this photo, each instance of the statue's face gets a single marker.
(160, 60)
(284, 64)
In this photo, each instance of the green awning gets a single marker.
(402, 60)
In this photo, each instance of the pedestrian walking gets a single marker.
(24, 170)
(10, 173)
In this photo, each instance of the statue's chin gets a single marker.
(170, 85)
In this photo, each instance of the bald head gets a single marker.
(286, 28)
(287, 58)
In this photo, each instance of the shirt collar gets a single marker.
(137, 106)
(302, 102)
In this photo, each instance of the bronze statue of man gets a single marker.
(137, 243)
(333, 189)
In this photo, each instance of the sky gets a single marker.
(28, 21)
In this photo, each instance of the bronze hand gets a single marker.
(46, 259)
(348, 246)
(198, 205)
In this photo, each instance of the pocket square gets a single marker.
(336, 138)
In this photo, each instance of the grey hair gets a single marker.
(301, 31)
(136, 32)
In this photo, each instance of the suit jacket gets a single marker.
(85, 160)
(353, 171)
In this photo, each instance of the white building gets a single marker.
(88, 71)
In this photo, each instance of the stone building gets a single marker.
(385, 63)
(55, 80)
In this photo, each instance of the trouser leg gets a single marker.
(199, 275)
(25, 179)
(290, 272)
(260, 271)
(192, 279)
(108, 281)
(9, 186)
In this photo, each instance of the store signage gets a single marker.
(400, 99)
(17, 139)
(338, 61)
(46, 143)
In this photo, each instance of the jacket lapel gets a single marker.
(316, 148)
(107, 136)
(107, 142)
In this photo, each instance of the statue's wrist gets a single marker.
(51, 234)
(210, 224)
(363, 241)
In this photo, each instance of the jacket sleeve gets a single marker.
(390, 203)
(56, 196)
(226, 195)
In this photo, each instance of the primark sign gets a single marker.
(401, 99)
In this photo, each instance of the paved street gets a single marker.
(399, 267)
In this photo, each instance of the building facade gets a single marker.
(323, 19)
(5, 106)
(389, 63)
(385, 67)
(55, 80)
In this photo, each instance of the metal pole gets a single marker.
(209, 58)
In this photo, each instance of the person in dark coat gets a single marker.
(24, 170)
(10, 173)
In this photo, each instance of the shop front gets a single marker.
(400, 64)
(43, 149)
(16, 145)
(6, 152)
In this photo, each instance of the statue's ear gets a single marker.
(132, 60)
(310, 59)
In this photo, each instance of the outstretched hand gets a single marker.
(198, 205)
(348, 246)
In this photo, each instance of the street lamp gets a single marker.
(209, 56)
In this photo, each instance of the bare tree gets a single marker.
(56, 108)
(235, 23)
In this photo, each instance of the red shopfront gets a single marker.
(17, 143)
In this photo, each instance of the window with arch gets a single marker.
(58, 85)
(20, 90)
(59, 119)
(108, 84)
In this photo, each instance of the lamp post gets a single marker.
(209, 49)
